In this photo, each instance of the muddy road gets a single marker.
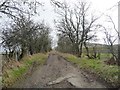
(58, 73)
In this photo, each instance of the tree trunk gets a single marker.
(22, 53)
(94, 52)
(30, 50)
(98, 55)
(87, 50)
(80, 50)
(113, 53)
(119, 55)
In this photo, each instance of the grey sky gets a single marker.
(97, 6)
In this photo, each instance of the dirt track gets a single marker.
(58, 73)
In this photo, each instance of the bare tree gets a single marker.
(110, 40)
(75, 24)
(13, 7)
(114, 26)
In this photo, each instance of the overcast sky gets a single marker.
(97, 7)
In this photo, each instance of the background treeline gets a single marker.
(64, 45)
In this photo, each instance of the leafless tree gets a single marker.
(75, 24)
(114, 26)
(117, 56)
(110, 40)
(13, 7)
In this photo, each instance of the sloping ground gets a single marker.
(107, 74)
(14, 70)
(58, 73)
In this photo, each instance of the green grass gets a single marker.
(105, 56)
(17, 72)
(1, 80)
(109, 73)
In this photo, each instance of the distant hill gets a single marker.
(103, 48)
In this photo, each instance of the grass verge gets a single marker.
(0, 82)
(11, 75)
(110, 73)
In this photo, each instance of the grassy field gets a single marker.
(109, 73)
(19, 69)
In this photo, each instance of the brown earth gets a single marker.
(58, 73)
(111, 61)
